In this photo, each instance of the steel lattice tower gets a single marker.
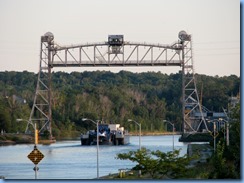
(41, 112)
(190, 99)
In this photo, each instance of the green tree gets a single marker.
(158, 164)
(172, 165)
(222, 169)
(144, 160)
(5, 120)
(146, 97)
(234, 148)
(226, 160)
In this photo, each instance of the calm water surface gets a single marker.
(70, 160)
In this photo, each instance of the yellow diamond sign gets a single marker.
(35, 156)
(214, 134)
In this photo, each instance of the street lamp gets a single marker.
(86, 119)
(139, 124)
(227, 131)
(214, 131)
(36, 139)
(34, 127)
(173, 131)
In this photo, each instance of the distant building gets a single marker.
(234, 101)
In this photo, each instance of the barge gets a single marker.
(109, 134)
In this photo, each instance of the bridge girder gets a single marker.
(128, 54)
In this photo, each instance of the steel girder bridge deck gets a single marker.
(117, 53)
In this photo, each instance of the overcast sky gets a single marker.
(213, 24)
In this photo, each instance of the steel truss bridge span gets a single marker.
(117, 53)
(127, 54)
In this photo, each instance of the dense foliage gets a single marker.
(158, 164)
(227, 159)
(145, 97)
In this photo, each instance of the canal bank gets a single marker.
(12, 139)
(155, 133)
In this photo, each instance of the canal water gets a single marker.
(70, 160)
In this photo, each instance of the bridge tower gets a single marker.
(41, 112)
(117, 53)
(190, 98)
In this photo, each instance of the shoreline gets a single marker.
(14, 139)
(154, 133)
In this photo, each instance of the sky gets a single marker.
(213, 24)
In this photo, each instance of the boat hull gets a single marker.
(109, 134)
(104, 141)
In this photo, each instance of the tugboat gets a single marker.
(109, 134)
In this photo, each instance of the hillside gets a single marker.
(114, 97)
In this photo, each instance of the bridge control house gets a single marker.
(115, 43)
(116, 40)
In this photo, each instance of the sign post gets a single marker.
(214, 134)
(35, 156)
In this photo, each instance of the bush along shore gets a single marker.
(12, 139)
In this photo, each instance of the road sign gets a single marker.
(214, 134)
(35, 156)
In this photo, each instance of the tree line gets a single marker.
(148, 98)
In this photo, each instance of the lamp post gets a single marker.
(36, 139)
(227, 131)
(34, 127)
(139, 124)
(214, 132)
(173, 131)
(86, 119)
(214, 135)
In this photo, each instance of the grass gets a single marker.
(199, 171)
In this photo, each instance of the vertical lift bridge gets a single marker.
(116, 52)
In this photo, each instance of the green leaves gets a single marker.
(146, 97)
(226, 160)
(156, 163)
